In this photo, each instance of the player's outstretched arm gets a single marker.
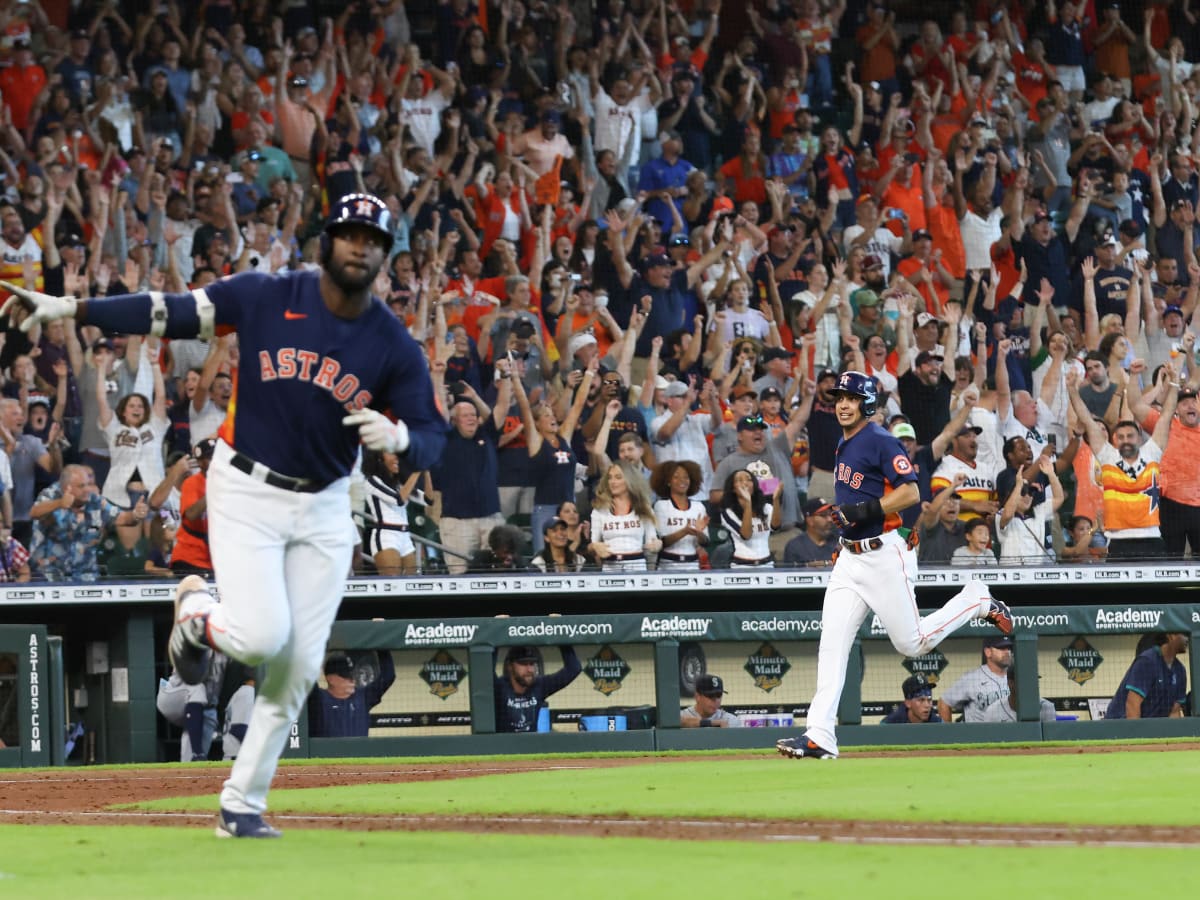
(185, 315)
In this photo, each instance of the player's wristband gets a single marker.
(867, 511)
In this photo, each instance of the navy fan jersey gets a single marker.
(302, 369)
(869, 466)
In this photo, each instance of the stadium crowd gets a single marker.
(638, 241)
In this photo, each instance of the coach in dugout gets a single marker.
(521, 692)
(341, 709)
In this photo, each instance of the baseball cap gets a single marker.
(554, 523)
(924, 318)
(771, 353)
(522, 328)
(579, 341)
(872, 262)
(1186, 393)
(204, 449)
(679, 239)
(1110, 240)
(660, 383)
(80, 34)
(1179, 203)
(922, 235)
(904, 430)
(917, 686)
(742, 391)
(657, 259)
(911, 158)
(675, 389)
(978, 120)
(339, 664)
(552, 115)
(926, 356)
(1172, 309)
(1130, 227)
(770, 392)
(710, 685)
(998, 642)
(968, 429)
(813, 504)
(522, 654)
(102, 344)
(826, 373)
(864, 297)
(751, 423)
(253, 156)
(1041, 216)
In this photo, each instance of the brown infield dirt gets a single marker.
(84, 797)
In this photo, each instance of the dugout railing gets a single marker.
(100, 653)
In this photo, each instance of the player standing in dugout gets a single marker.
(321, 358)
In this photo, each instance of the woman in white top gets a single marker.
(750, 519)
(682, 522)
(387, 493)
(135, 437)
(740, 319)
(623, 529)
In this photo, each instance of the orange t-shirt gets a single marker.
(878, 63)
(910, 199)
(1178, 466)
(191, 543)
(745, 188)
(943, 228)
(935, 298)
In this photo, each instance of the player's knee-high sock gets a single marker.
(193, 726)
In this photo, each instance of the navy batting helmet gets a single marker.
(856, 384)
(358, 209)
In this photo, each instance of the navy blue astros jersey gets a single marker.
(302, 369)
(869, 466)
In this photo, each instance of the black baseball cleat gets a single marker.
(1001, 616)
(186, 649)
(802, 748)
(244, 825)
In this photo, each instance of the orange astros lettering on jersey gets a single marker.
(299, 364)
(1130, 502)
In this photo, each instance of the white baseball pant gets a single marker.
(882, 581)
(281, 560)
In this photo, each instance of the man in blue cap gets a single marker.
(918, 707)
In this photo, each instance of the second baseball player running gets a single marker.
(876, 568)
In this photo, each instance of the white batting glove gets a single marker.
(40, 307)
(378, 432)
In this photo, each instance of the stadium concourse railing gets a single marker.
(87, 657)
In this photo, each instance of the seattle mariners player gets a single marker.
(876, 568)
(320, 357)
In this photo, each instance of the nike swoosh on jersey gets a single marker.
(288, 314)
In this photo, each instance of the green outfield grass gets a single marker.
(178, 863)
(1083, 788)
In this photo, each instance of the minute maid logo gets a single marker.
(443, 674)
(931, 665)
(767, 666)
(1128, 619)
(607, 670)
(675, 626)
(1081, 660)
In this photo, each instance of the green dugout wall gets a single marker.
(92, 655)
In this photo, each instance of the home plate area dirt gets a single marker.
(83, 797)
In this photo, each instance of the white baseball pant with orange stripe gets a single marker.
(882, 581)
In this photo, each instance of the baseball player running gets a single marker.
(876, 568)
(320, 357)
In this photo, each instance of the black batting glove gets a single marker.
(859, 513)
